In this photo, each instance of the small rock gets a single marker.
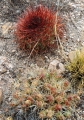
(13, 51)
(9, 66)
(82, 43)
(47, 59)
(18, 11)
(9, 99)
(6, 27)
(2, 44)
(2, 70)
(3, 59)
(1, 95)
(55, 65)
(32, 74)
(72, 55)
(82, 106)
(40, 62)
(9, 118)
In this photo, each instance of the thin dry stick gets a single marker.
(56, 34)
(33, 49)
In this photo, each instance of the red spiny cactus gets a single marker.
(36, 29)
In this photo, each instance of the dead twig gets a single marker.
(33, 49)
(57, 36)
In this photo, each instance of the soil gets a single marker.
(16, 64)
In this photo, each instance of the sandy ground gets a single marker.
(15, 63)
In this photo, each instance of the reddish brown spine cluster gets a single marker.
(36, 29)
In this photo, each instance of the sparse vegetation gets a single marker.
(49, 93)
(38, 30)
(76, 68)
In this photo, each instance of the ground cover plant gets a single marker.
(51, 94)
(76, 68)
(37, 29)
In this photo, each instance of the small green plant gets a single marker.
(49, 93)
(76, 68)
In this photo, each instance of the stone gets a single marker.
(40, 62)
(3, 59)
(46, 59)
(9, 118)
(72, 55)
(6, 27)
(13, 51)
(5, 64)
(2, 70)
(2, 43)
(1, 95)
(57, 66)
(9, 66)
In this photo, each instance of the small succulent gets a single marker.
(35, 29)
(49, 95)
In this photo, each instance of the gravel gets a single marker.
(15, 63)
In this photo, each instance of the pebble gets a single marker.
(9, 66)
(83, 106)
(18, 11)
(82, 43)
(6, 27)
(69, 46)
(57, 66)
(9, 118)
(47, 59)
(2, 70)
(72, 55)
(9, 99)
(13, 51)
(5, 64)
(3, 59)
